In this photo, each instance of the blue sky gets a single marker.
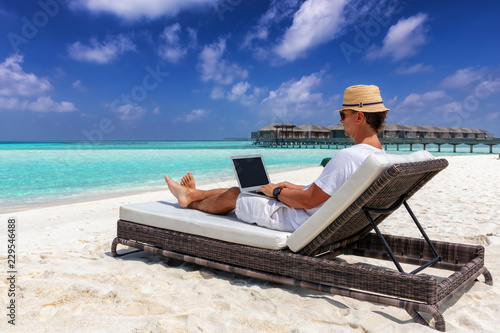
(95, 70)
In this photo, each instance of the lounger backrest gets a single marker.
(369, 172)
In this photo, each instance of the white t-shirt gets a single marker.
(276, 215)
(340, 169)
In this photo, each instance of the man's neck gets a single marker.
(371, 140)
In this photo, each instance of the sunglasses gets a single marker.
(343, 114)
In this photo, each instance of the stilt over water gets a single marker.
(389, 144)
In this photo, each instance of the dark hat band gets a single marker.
(361, 104)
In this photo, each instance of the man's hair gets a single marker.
(376, 120)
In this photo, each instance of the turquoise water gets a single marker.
(35, 174)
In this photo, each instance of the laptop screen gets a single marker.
(251, 171)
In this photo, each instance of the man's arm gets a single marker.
(298, 198)
(290, 186)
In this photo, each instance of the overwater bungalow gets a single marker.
(267, 132)
(456, 132)
(288, 135)
(482, 134)
(314, 131)
(441, 132)
(391, 131)
(337, 132)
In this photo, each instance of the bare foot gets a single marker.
(188, 180)
(179, 191)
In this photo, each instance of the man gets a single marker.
(363, 114)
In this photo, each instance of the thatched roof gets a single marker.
(436, 129)
(336, 127)
(270, 127)
(396, 127)
(313, 128)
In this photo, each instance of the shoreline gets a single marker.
(68, 281)
(151, 192)
(63, 187)
(58, 200)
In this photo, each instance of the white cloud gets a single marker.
(296, 91)
(101, 52)
(171, 48)
(296, 99)
(427, 100)
(454, 107)
(315, 23)
(390, 103)
(417, 68)
(240, 88)
(461, 78)
(137, 9)
(15, 82)
(11, 103)
(128, 112)
(79, 85)
(195, 115)
(217, 93)
(214, 68)
(278, 11)
(487, 87)
(241, 92)
(403, 39)
(42, 104)
(473, 103)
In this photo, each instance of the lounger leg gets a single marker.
(417, 317)
(115, 243)
(440, 324)
(488, 279)
(433, 310)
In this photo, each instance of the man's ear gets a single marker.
(360, 116)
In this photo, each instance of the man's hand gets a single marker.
(296, 197)
(268, 189)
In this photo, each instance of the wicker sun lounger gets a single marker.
(306, 257)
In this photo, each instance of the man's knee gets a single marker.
(230, 197)
(235, 191)
(232, 194)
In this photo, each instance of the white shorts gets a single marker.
(269, 213)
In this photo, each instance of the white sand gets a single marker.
(69, 282)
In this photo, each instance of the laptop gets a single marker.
(251, 173)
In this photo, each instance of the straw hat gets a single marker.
(364, 98)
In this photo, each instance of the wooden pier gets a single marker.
(339, 143)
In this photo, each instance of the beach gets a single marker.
(67, 280)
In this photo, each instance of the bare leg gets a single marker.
(186, 195)
(218, 201)
(221, 203)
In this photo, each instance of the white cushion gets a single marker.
(170, 215)
(364, 176)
